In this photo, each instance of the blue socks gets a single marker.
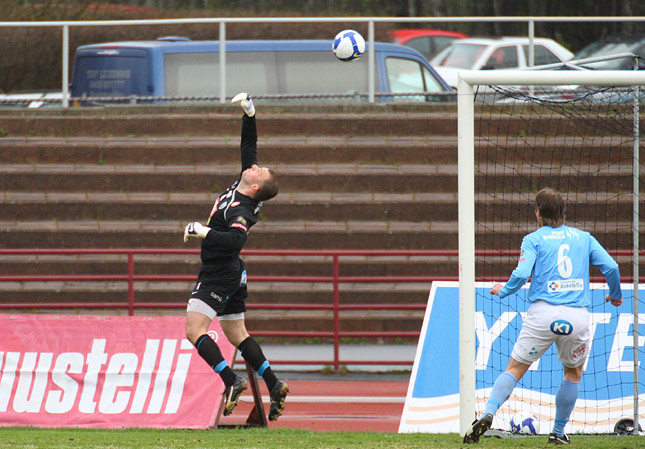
(565, 400)
(502, 389)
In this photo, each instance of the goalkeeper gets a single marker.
(221, 285)
(557, 257)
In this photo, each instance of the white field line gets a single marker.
(335, 399)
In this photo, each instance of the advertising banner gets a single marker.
(106, 372)
(607, 387)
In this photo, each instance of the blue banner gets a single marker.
(607, 389)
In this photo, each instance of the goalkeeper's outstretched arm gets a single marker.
(249, 141)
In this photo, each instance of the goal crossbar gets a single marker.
(536, 77)
(466, 202)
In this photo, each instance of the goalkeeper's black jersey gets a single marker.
(231, 218)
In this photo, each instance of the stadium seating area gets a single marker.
(359, 178)
(352, 177)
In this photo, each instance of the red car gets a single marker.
(426, 41)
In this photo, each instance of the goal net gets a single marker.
(581, 141)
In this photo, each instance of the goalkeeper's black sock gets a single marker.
(210, 352)
(252, 353)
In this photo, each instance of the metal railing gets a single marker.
(130, 304)
(371, 21)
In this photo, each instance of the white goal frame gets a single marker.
(466, 207)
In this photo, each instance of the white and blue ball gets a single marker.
(348, 45)
(525, 423)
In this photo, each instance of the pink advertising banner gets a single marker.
(105, 372)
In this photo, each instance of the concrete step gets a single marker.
(275, 149)
(400, 178)
(23, 206)
(304, 120)
(444, 266)
(225, 149)
(274, 234)
(273, 292)
(208, 123)
(374, 177)
(322, 321)
(257, 265)
(304, 234)
(112, 297)
(258, 320)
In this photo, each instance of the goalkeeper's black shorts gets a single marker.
(220, 298)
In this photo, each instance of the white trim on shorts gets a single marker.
(199, 306)
(231, 317)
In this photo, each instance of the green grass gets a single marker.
(32, 438)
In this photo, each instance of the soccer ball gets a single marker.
(348, 45)
(525, 423)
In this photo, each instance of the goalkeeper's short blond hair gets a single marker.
(268, 189)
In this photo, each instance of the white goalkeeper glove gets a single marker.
(195, 229)
(245, 101)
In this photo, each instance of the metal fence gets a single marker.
(371, 21)
(130, 303)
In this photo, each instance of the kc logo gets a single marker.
(561, 327)
(214, 335)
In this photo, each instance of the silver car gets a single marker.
(494, 54)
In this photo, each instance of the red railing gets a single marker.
(335, 279)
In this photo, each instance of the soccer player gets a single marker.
(221, 285)
(557, 257)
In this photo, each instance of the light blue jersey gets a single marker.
(558, 259)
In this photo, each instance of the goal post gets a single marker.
(469, 82)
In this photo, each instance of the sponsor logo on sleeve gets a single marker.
(241, 223)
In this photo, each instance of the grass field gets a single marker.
(31, 438)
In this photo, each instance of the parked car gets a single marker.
(426, 41)
(180, 67)
(494, 54)
(611, 45)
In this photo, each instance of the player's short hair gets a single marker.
(551, 207)
(268, 189)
